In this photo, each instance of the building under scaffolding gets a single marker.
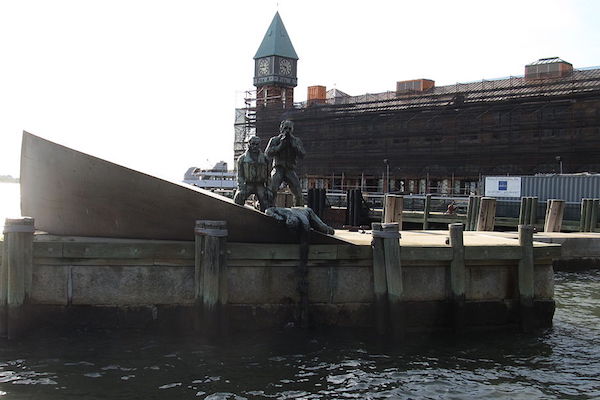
(442, 139)
(426, 138)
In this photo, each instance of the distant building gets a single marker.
(432, 138)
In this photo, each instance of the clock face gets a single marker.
(285, 67)
(263, 66)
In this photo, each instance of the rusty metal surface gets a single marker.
(72, 193)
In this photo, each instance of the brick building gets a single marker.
(426, 138)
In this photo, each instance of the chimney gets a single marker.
(316, 94)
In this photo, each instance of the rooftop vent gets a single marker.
(547, 68)
(414, 86)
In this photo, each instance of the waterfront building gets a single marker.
(423, 138)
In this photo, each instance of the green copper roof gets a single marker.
(276, 41)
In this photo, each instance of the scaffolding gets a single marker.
(245, 124)
(446, 136)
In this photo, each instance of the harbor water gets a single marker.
(562, 362)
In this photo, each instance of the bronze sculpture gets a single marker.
(299, 219)
(253, 175)
(284, 150)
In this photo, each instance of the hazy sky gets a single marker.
(153, 84)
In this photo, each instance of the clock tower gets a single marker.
(275, 64)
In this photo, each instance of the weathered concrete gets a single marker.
(51, 284)
(579, 250)
(132, 285)
(154, 281)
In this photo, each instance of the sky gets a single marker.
(153, 85)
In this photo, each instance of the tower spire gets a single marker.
(276, 41)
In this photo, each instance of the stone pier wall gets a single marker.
(155, 278)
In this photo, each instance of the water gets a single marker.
(559, 363)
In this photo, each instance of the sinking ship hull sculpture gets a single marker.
(75, 194)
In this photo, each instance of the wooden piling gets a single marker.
(472, 213)
(525, 277)
(394, 205)
(583, 221)
(487, 214)
(532, 211)
(469, 214)
(457, 275)
(523, 211)
(4, 291)
(379, 280)
(386, 243)
(211, 275)
(317, 201)
(284, 199)
(476, 208)
(594, 214)
(16, 275)
(555, 210)
(354, 202)
(426, 210)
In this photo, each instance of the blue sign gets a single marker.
(502, 185)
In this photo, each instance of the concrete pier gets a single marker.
(122, 282)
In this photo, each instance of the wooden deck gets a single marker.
(438, 238)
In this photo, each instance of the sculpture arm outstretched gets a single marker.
(317, 223)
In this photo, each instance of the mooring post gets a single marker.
(393, 272)
(353, 207)
(526, 265)
(211, 274)
(379, 280)
(317, 201)
(426, 209)
(457, 275)
(4, 291)
(386, 237)
(16, 275)
(476, 208)
(528, 211)
(392, 212)
(594, 214)
(284, 199)
(487, 214)
(470, 209)
(532, 211)
(473, 213)
(583, 222)
(523, 211)
(555, 211)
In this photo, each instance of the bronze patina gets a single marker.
(75, 194)
(284, 149)
(253, 175)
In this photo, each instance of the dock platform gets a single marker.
(119, 282)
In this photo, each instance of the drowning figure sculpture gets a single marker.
(253, 175)
(299, 218)
(284, 150)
